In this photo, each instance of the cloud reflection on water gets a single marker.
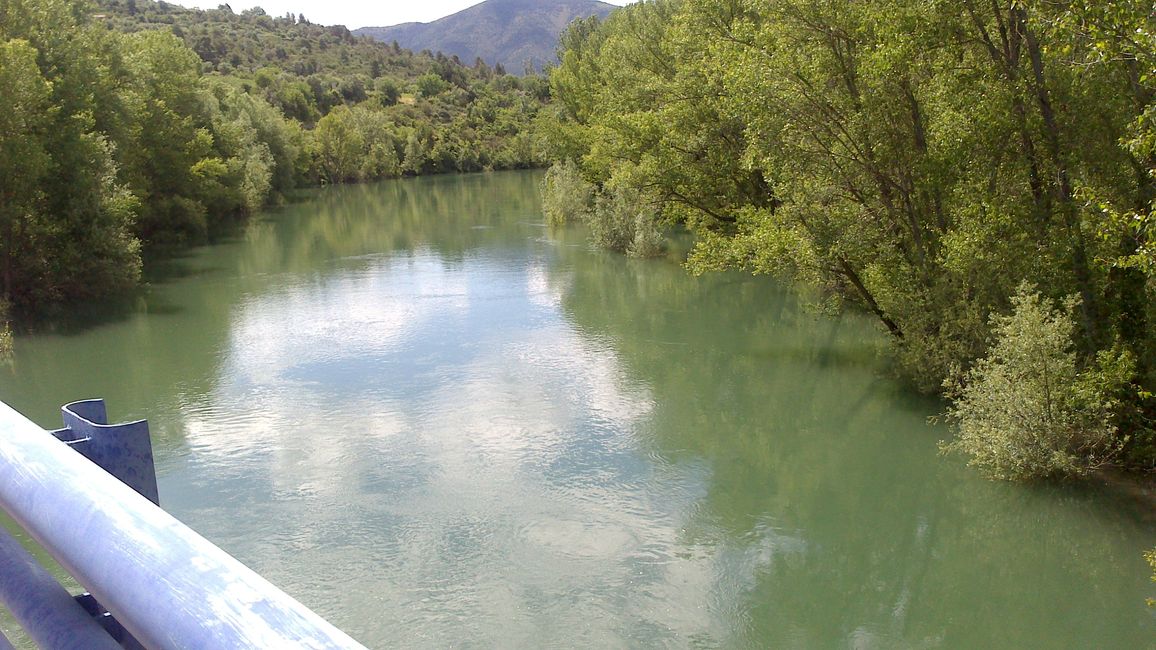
(459, 464)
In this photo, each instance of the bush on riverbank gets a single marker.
(5, 334)
(624, 220)
(621, 218)
(566, 196)
(1026, 411)
(1151, 557)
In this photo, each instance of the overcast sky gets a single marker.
(354, 13)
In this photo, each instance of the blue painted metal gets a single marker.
(167, 585)
(106, 620)
(47, 612)
(123, 450)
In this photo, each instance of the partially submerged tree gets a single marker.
(1027, 410)
(566, 196)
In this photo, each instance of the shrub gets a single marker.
(621, 218)
(648, 239)
(566, 196)
(626, 221)
(388, 90)
(1026, 411)
(430, 85)
(612, 220)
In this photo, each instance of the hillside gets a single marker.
(510, 33)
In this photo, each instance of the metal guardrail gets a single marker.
(51, 617)
(165, 584)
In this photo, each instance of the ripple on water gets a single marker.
(579, 539)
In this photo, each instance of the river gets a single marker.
(440, 423)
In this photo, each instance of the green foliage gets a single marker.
(566, 196)
(248, 128)
(65, 217)
(612, 221)
(338, 146)
(625, 220)
(1026, 411)
(457, 118)
(355, 144)
(6, 343)
(388, 91)
(431, 85)
(621, 218)
(24, 160)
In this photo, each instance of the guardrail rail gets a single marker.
(152, 581)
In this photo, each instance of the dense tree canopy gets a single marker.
(919, 159)
(457, 117)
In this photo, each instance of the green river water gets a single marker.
(441, 424)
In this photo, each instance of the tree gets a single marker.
(164, 159)
(566, 196)
(388, 90)
(67, 228)
(339, 146)
(431, 85)
(25, 113)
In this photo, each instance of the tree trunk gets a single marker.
(1089, 301)
(868, 299)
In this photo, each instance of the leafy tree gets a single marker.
(431, 85)
(67, 226)
(168, 160)
(339, 145)
(24, 160)
(418, 144)
(388, 90)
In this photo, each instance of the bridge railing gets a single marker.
(165, 584)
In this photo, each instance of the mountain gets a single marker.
(513, 33)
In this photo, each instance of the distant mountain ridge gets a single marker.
(513, 33)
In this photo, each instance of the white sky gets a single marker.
(354, 13)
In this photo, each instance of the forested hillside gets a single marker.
(979, 176)
(131, 123)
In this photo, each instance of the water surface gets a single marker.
(441, 424)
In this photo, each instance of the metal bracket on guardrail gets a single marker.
(123, 450)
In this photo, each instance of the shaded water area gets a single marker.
(441, 424)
